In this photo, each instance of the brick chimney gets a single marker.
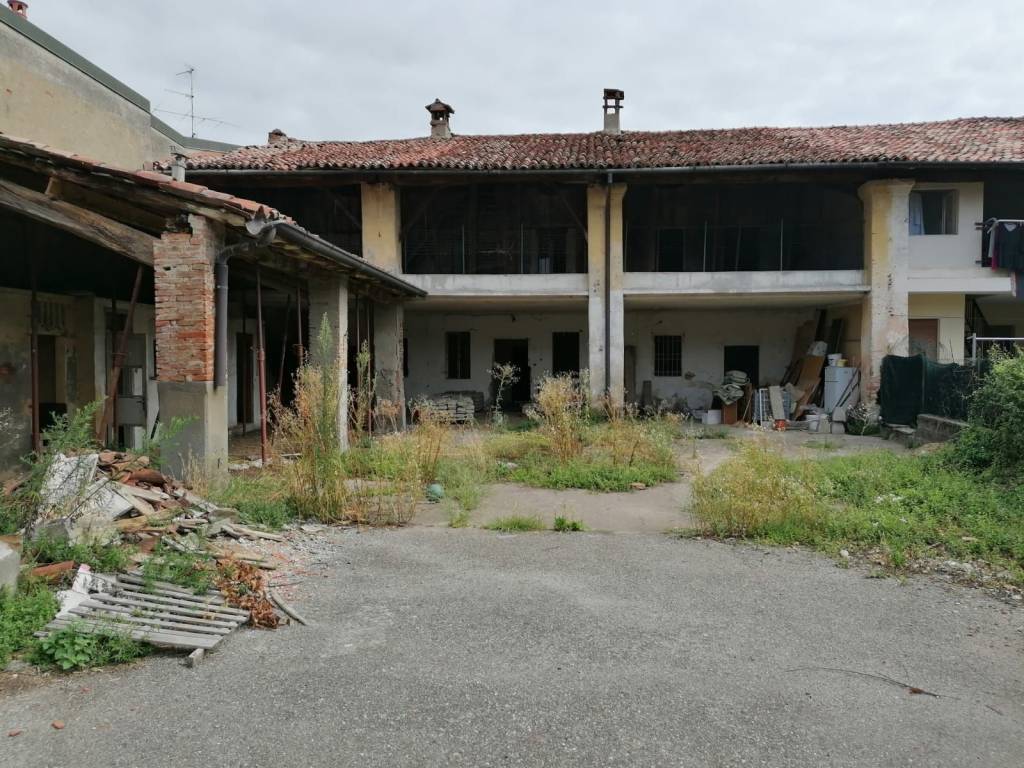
(440, 113)
(612, 106)
(277, 136)
(19, 7)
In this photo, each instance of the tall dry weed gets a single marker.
(560, 408)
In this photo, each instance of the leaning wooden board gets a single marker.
(160, 613)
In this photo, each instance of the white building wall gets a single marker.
(705, 334)
(425, 341)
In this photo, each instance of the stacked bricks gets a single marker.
(184, 290)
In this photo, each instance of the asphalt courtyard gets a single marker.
(438, 647)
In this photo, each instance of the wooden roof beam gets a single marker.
(81, 222)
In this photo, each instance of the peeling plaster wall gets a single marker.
(705, 334)
(425, 334)
(948, 309)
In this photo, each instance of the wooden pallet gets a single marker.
(165, 614)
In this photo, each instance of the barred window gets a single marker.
(668, 355)
(457, 351)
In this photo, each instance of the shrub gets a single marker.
(315, 481)
(22, 613)
(994, 439)
(73, 647)
(754, 494)
(561, 409)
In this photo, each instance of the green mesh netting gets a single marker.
(914, 385)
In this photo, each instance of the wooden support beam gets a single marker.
(80, 222)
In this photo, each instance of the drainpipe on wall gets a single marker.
(608, 286)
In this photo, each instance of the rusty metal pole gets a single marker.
(284, 347)
(261, 361)
(298, 321)
(110, 404)
(37, 437)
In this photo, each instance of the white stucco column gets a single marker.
(884, 327)
(388, 343)
(380, 225)
(328, 304)
(604, 286)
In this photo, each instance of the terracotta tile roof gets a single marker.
(967, 140)
(47, 159)
(196, 193)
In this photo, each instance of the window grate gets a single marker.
(457, 354)
(668, 355)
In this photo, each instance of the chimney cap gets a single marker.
(20, 7)
(439, 108)
(614, 94)
(277, 136)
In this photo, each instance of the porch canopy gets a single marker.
(72, 226)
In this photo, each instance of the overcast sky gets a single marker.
(339, 69)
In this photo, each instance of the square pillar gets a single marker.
(885, 311)
(605, 305)
(388, 352)
(328, 304)
(183, 264)
(380, 224)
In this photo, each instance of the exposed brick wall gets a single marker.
(184, 289)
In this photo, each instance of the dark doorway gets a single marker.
(243, 370)
(517, 352)
(924, 338)
(565, 352)
(746, 359)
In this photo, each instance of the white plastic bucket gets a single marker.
(713, 417)
(834, 359)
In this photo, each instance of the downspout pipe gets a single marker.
(608, 285)
(220, 276)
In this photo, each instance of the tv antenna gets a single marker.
(191, 96)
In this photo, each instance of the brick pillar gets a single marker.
(184, 291)
(597, 198)
(388, 341)
(328, 303)
(884, 325)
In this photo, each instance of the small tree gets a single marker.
(504, 376)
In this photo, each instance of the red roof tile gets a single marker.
(967, 140)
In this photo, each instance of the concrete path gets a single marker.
(437, 647)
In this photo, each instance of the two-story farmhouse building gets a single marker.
(658, 260)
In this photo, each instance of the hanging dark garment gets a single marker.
(1009, 247)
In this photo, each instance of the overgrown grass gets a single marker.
(260, 498)
(187, 570)
(615, 454)
(904, 505)
(567, 525)
(516, 523)
(21, 613)
(101, 558)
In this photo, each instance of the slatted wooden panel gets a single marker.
(162, 614)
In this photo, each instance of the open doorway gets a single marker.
(746, 358)
(516, 352)
(565, 352)
(244, 375)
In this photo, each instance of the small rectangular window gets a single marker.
(668, 355)
(457, 351)
(933, 212)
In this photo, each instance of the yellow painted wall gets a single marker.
(948, 309)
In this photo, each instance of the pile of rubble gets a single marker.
(109, 496)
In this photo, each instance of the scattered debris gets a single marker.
(195, 657)
(57, 725)
(638, 486)
(911, 689)
(15, 732)
(286, 608)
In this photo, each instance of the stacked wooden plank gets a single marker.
(159, 613)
